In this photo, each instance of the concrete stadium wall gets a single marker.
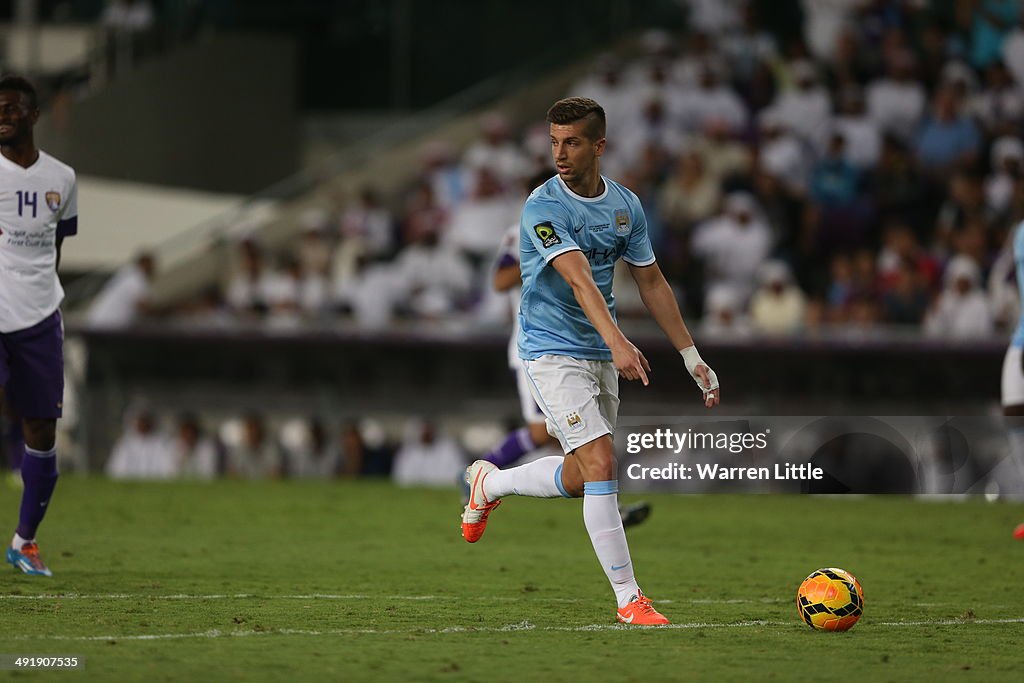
(349, 375)
(218, 115)
(386, 165)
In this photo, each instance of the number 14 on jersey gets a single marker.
(27, 199)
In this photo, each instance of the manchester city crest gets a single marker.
(53, 200)
(622, 226)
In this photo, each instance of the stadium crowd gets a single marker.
(866, 174)
(420, 452)
(255, 446)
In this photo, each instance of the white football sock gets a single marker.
(601, 517)
(17, 542)
(541, 478)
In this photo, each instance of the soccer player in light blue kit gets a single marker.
(533, 436)
(573, 229)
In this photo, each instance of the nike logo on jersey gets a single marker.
(577, 230)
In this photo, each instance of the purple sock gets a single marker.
(39, 472)
(516, 445)
(15, 442)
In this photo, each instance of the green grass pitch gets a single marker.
(361, 581)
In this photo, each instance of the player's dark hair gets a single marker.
(573, 109)
(22, 85)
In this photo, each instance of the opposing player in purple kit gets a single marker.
(37, 212)
(573, 230)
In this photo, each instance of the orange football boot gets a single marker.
(474, 516)
(640, 612)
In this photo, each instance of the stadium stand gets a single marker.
(851, 187)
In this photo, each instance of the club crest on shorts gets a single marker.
(546, 234)
(53, 200)
(621, 222)
(575, 422)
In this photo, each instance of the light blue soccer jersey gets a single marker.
(556, 220)
(1018, 260)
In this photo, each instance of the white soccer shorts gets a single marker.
(580, 398)
(532, 414)
(1013, 377)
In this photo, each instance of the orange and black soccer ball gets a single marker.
(830, 599)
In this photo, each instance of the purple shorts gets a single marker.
(32, 368)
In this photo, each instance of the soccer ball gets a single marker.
(830, 599)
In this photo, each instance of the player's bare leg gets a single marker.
(569, 476)
(541, 478)
(596, 465)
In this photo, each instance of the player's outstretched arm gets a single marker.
(574, 268)
(661, 302)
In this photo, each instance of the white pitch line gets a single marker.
(331, 596)
(224, 596)
(257, 596)
(477, 598)
(735, 601)
(951, 622)
(508, 628)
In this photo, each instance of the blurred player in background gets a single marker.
(37, 211)
(573, 229)
(1010, 471)
(534, 435)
